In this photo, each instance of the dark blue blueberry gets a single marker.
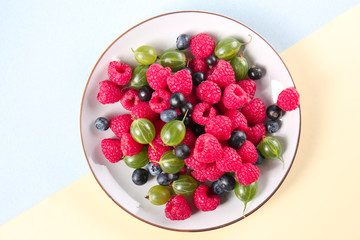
(255, 73)
(197, 78)
(154, 169)
(163, 179)
(145, 93)
(102, 124)
(177, 100)
(273, 112)
(183, 41)
(173, 176)
(168, 115)
(260, 158)
(182, 151)
(211, 60)
(237, 139)
(227, 182)
(140, 176)
(272, 126)
(216, 189)
(188, 107)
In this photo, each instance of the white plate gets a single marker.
(161, 33)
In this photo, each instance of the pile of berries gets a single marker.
(193, 122)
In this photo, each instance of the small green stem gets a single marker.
(185, 115)
(248, 41)
(132, 50)
(244, 209)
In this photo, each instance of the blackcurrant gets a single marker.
(273, 112)
(216, 189)
(260, 158)
(140, 176)
(145, 93)
(182, 151)
(197, 78)
(198, 129)
(237, 139)
(188, 107)
(227, 182)
(177, 100)
(211, 60)
(255, 73)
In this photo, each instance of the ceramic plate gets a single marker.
(161, 33)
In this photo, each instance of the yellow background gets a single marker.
(318, 200)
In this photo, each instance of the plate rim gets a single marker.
(148, 222)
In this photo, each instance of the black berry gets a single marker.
(177, 100)
(273, 112)
(237, 139)
(182, 151)
(145, 93)
(255, 73)
(140, 176)
(197, 78)
(211, 60)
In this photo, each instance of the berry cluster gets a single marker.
(194, 124)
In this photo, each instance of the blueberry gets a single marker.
(173, 176)
(140, 176)
(273, 112)
(145, 93)
(177, 100)
(272, 126)
(154, 169)
(182, 41)
(216, 189)
(188, 107)
(102, 124)
(227, 182)
(255, 73)
(198, 129)
(197, 78)
(237, 139)
(168, 115)
(260, 158)
(182, 151)
(211, 60)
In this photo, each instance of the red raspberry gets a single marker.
(248, 152)
(190, 138)
(158, 126)
(231, 160)
(209, 92)
(288, 99)
(160, 101)
(212, 172)
(130, 99)
(255, 134)
(111, 149)
(202, 113)
(177, 208)
(202, 45)
(181, 81)
(207, 148)
(198, 65)
(109, 92)
(199, 176)
(119, 73)
(194, 164)
(129, 146)
(238, 121)
(204, 200)
(234, 96)
(121, 124)
(249, 86)
(247, 174)
(222, 74)
(254, 111)
(155, 154)
(191, 98)
(220, 127)
(156, 76)
(143, 110)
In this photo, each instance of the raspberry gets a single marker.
(254, 111)
(129, 146)
(222, 74)
(181, 81)
(119, 73)
(255, 133)
(212, 172)
(202, 113)
(111, 148)
(156, 76)
(247, 174)
(249, 86)
(238, 121)
(209, 92)
(207, 148)
(130, 99)
(191, 98)
(248, 152)
(177, 208)
(192, 163)
(198, 65)
(231, 160)
(288, 99)
(220, 127)
(143, 110)
(190, 138)
(155, 154)
(158, 126)
(204, 200)
(202, 45)
(160, 101)
(109, 92)
(199, 175)
(121, 124)
(234, 96)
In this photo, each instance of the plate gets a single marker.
(161, 33)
